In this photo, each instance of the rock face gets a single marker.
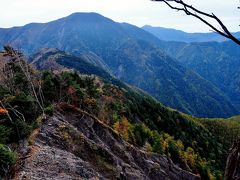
(72, 144)
(232, 171)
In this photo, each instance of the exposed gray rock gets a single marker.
(232, 171)
(72, 144)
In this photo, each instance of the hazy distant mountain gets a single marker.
(79, 32)
(131, 54)
(168, 34)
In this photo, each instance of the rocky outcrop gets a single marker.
(72, 144)
(232, 171)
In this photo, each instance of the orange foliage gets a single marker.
(3, 111)
(122, 127)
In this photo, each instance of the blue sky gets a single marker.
(138, 12)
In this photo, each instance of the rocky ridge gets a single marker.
(72, 144)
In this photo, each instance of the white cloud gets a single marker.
(138, 12)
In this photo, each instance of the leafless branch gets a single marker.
(18, 57)
(16, 112)
(192, 11)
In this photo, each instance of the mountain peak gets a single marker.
(86, 17)
(80, 14)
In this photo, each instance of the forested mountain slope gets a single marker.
(156, 74)
(217, 62)
(147, 67)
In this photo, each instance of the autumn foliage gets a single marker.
(122, 127)
(3, 111)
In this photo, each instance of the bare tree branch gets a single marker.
(16, 112)
(192, 11)
(18, 57)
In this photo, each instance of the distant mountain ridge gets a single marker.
(168, 34)
(128, 52)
